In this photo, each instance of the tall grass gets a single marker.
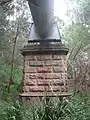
(76, 108)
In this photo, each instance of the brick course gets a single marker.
(45, 73)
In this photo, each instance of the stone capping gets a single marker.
(44, 41)
(56, 48)
(45, 94)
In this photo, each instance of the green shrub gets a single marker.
(5, 73)
(12, 112)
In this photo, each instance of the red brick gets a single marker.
(55, 62)
(52, 76)
(42, 82)
(44, 70)
(50, 82)
(45, 75)
(49, 76)
(56, 76)
(48, 63)
(40, 75)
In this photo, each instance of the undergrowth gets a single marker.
(77, 107)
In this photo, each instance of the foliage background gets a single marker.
(15, 22)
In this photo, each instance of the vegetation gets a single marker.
(77, 108)
(14, 30)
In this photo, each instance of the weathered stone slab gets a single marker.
(43, 57)
(36, 63)
(57, 57)
(50, 82)
(32, 76)
(44, 94)
(36, 89)
(49, 76)
(32, 82)
(43, 82)
(30, 57)
(30, 70)
(59, 69)
(46, 76)
(53, 88)
(58, 82)
(52, 63)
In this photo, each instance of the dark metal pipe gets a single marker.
(43, 15)
(44, 26)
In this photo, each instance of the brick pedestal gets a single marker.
(45, 70)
